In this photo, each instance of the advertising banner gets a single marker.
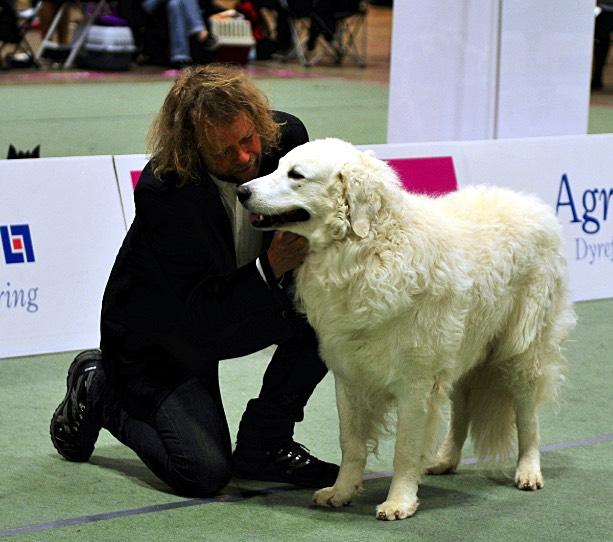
(62, 221)
(60, 228)
(573, 174)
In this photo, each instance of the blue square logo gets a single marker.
(17, 243)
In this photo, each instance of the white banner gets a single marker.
(573, 174)
(60, 228)
(62, 221)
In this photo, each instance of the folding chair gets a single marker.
(349, 37)
(14, 26)
(80, 34)
(351, 32)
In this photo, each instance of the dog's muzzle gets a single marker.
(259, 220)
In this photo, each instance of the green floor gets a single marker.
(38, 487)
(113, 118)
(114, 497)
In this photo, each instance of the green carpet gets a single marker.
(600, 120)
(37, 486)
(113, 118)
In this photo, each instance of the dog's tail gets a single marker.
(490, 410)
(493, 392)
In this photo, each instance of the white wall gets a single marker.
(482, 69)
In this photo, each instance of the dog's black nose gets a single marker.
(243, 193)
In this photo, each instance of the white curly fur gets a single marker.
(417, 300)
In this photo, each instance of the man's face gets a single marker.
(235, 152)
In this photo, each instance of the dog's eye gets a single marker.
(293, 174)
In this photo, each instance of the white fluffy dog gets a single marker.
(418, 299)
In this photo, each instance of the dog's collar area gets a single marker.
(259, 220)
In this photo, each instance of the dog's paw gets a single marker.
(529, 479)
(331, 496)
(392, 510)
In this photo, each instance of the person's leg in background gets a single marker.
(322, 22)
(48, 11)
(190, 41)
(177, 34)
(602, 40)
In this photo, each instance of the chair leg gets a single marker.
(81, 34)
(298, 43)
(353, 32)
(47, 37)
(350, 39)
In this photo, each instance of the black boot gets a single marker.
(76, 422)
(291, 463)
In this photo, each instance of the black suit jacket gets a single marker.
(175, 302)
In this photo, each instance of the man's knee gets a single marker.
(202, 479)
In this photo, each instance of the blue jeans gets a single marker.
(184, 20)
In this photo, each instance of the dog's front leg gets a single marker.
(353, 436)
(414, 419)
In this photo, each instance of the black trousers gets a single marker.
(602, 39)
(186, 441)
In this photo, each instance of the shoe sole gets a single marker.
(292, 479)
(74, 369)
(280, 480)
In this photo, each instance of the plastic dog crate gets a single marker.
(107, 48)
(235, 39)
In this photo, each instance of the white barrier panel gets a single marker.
(128, 168)
(573, 174)
(60, 228)
(61, 222)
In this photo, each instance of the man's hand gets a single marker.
(286, 252)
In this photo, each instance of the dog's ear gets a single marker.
(360, 193)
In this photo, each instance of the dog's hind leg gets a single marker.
(528, 473)
(354, 432)
(450, 453)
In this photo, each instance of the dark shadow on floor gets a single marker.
(431, 497)
(132, 468)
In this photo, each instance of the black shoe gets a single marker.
(203, 52)
(55, 52)
(292, 464)
(75, 424)
(211, 43)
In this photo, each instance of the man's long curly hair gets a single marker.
(201, 97)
